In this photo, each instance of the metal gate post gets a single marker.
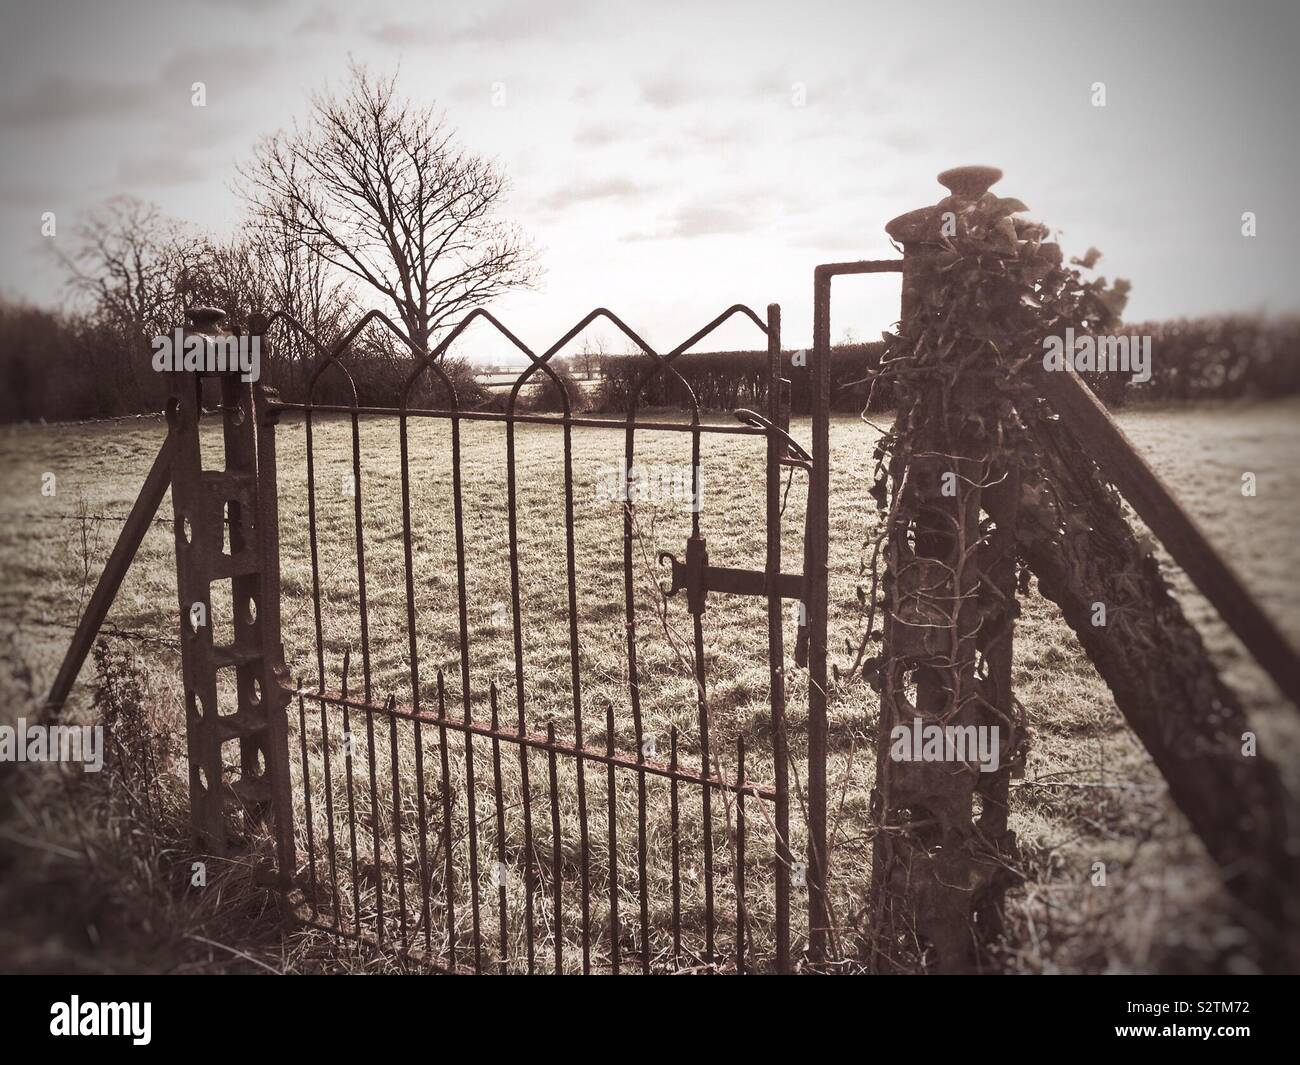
(776, 403)
(816, 547)
(816, 600)
(226, 529)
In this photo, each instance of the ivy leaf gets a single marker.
(1005, 206)
(878, 493)
(1089, 260)
(1003, 237)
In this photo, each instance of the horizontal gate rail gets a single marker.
(538, 741)
(536, 419)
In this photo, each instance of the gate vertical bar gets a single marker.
(815, 551)
(998, 707)
(776, 641)
(276, 684)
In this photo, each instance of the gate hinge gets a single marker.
(699, 578)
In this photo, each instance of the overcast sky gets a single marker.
(657, 150)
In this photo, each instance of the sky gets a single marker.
(671, 158)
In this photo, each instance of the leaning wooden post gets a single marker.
(1078, 542)
(947, 731)
(225, 529)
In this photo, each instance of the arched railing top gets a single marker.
(430, 360)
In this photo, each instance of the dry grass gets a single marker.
(1090, 793)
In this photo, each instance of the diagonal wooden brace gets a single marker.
(1214, 578)
(129, 539)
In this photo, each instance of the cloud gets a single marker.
(862, 92)
(466, 91)
(701, 138)
(400, 33)
(513, 22)
(320, 19)
(700, 220)
(708, 220)
(775, 87)
(906, 139)
(666, 93)
(600, 134)
(27, 194)
(506, 24)
(62, 99)
(165, 168)
(233, 62)
(830, 238)
(593, 191)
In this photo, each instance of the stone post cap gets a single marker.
(204, 319)
(970, 182)
(965, 184)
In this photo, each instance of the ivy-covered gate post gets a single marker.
(998, 458)
(949, 734)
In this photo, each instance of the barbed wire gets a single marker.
(42, 424)
(104, 630)
(31, 516)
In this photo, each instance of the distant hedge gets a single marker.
(725, 380)
(1228, 357)
(61, 366)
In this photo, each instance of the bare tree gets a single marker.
(230, 274)
(591, 357)
(301, 283)
(263, 269)
(127, 257)
(377, 186)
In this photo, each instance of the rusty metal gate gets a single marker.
(465, 802)
(523, 817)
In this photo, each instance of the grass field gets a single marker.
(1089, 793)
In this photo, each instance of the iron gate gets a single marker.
(505, 853)
(477, 825)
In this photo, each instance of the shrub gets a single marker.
(547, 396)
(1226, 357)
(380, 379)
